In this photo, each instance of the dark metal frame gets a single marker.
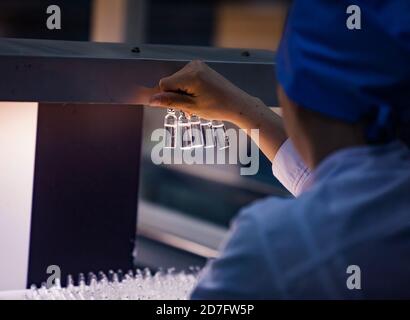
(85, 189)
(86, 72)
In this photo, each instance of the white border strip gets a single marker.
(18, 129)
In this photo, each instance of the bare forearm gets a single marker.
(254, 114)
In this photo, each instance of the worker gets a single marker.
(340, 150)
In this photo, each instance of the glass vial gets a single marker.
(197, 140)
(185, 131)
(207, 133)
(170, 127)
(222, 140)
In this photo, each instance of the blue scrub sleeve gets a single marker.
(242, 271)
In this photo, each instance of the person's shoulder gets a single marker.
(268, 205)
(279, 206)
(269, 212)
(277, 215)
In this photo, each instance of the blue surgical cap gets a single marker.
(351, 75)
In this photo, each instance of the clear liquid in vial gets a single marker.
(222, 140)
(185, 132)
(170, 136)
(197, 139)
(207, 133)
(170, 126)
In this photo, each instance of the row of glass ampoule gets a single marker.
(138, 285)
(193, 132)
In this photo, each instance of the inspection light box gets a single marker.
(70, 137)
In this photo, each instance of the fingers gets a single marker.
(177, 82)
(184, 79)
(143, 94)
(172, 100)
(178, 90)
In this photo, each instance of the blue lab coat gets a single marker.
(353, 210)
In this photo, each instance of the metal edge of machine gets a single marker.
(90, 72)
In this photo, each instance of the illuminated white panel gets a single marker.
(18, 125)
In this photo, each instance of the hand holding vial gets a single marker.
(198, 89)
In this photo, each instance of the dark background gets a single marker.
(84, 207)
